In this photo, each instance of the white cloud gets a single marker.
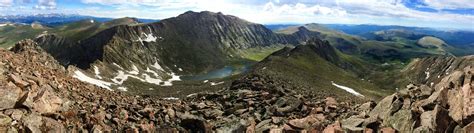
(46, 4)
(386, 12)
(449, 4)
(6, 3)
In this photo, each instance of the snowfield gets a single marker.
(84, 78)
(350, 90)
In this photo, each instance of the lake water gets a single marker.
(219, 73)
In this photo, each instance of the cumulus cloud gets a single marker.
(300, 11)
(6, 3)
(46, 4)
(449, 4)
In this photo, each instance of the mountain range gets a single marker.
(207, 71)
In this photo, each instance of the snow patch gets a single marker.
(122, 88)
(157, 66)
(218, 83)
(84, 78)
(174, 77)
(115, 64)
(97, 72)
(350, 90)
(190, 95)
(149, 38)
(92, 21)
(170, 98)
(180, 69)
(134, 71)
(205, 81)
(427, 75)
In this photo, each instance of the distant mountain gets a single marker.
(10, 33)
(386, 45)
(55, 19)
(454, 38)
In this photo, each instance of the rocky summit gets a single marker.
(40, 95)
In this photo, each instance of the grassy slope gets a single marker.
(312, 74)
(11, 34)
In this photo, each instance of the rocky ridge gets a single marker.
(39, 95)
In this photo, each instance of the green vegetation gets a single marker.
(260, 53)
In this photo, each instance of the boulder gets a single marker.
(331, 102)
(46, 101)
(311, 121)
(334, 128)
(386, 107)
(352, 124)
(436, 120)
(402, 121)
(53, 126)
(5, 120)
(17, 80)
(388, 130)
(33, 122)
(8, 96)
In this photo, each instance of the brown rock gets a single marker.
(334, 128)
(436, 120)
(311, 121)
(387, 130)
(251, 127)
(469, 128)
(368, 130)
(46, 101)
(331, 102)
(17, 80)
(468, 102)
(53, 126)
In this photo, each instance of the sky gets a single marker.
(442, 14)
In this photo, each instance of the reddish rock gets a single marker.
(311, 121)
(387, 130)
(334, 128)
(331, 102)
(17, 80)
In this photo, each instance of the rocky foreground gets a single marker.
(39, 95)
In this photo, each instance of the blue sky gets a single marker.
(445, 14)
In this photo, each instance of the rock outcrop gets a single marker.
(444, 107)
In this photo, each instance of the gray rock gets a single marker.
(5, 120)
(353, 124)
(402, 121)
(33, 122)
(8, 97)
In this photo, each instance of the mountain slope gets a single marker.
(318, 68)
(10, 33)
(191, 43)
